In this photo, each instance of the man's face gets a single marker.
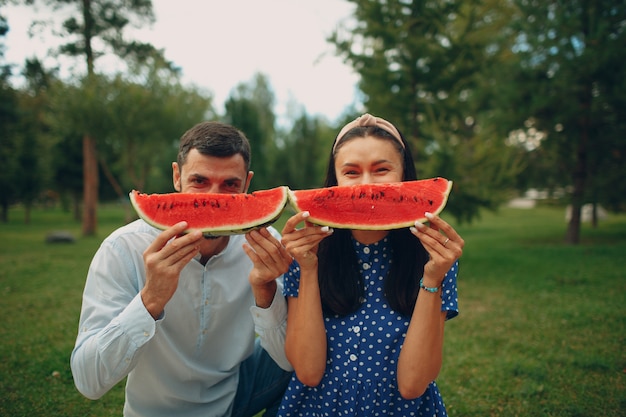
(211, 174)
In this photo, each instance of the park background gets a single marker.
(513, 100)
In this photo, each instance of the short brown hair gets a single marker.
(214, 139)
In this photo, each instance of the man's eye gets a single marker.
(231, 186)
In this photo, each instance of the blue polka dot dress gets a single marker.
(363, 351)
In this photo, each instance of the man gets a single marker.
(177, 313)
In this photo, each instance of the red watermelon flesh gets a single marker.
(214, 214)
(373, 206)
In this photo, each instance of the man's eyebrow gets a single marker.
(235, 180)
(198, 176)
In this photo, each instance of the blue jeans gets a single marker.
(262, 384)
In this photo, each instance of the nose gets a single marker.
(366, 178)
(213, 188)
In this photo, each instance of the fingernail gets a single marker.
(429, 215)
(419, 225)
(305, 214)
(413, 229)
(326, 229)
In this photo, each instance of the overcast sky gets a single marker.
(220, 43)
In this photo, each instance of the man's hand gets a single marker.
(163, 261)
(270, 260)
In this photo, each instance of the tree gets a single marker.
(422, 66)
(304, 152)
(570, 83)
(146, 120)
(138, 125)
(35, 141)
(96, 32)
(250, 108)
(8, 141)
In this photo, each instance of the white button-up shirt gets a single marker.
(186, 363)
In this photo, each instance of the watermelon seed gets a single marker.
(431, 202)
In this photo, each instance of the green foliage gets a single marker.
(138, 125)
(421, 65)
(105, 21)
(569, 85)
(250, 109)
(539, 331)
(305, 153)
(8, 144)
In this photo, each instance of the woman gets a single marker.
(367, 308)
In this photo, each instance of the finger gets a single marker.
(266, 268)
(166, 235)
(181, 254)
(251, 253)
(427, 236)
(308, 236)
(446, 228)
(293, 221)
(267, 245)
(306, 244)
(275, 242)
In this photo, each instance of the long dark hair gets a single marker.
(341, 286)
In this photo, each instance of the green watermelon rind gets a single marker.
(222, 229)
(368, 225)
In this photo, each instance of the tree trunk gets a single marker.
(90, 186)
(572, 236)
(5, 212)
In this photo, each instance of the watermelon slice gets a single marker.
(373, 206)
(213, 214)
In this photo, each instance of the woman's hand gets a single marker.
(302, 243)
(443, 244)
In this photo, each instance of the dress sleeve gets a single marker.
(114, 324)
(292, 280)
(449, 293)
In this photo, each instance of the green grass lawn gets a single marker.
(541, 330)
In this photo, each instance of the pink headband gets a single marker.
(369, 120)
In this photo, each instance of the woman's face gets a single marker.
(368, 160)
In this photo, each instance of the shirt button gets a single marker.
(146, 334)
(353, 357)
